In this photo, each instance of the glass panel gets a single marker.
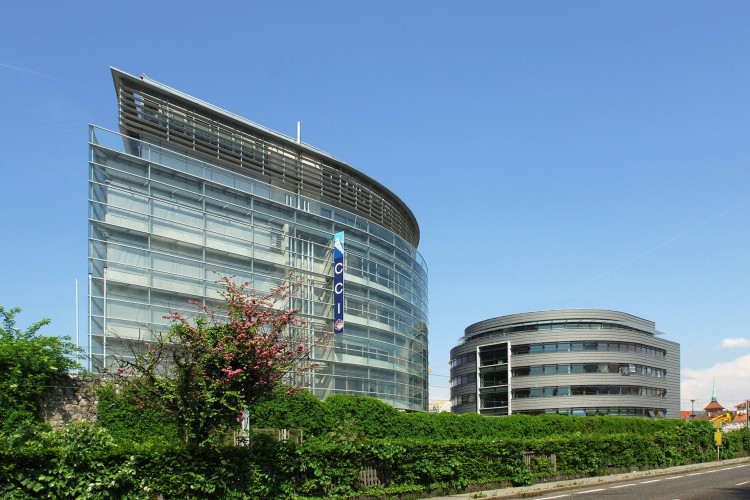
(521, 349)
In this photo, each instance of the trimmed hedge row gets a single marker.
(355, 418)
(373, 419)
(84, 462)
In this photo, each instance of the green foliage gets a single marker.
(84, 462)
(367, 416)
(29, 362)
(377, 420)
(289, 407)
(127, 420)
(735, 443)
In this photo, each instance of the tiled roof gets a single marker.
(714, 405)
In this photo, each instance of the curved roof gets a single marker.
(152, 108)
(564, 315)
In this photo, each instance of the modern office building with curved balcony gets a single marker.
(570, 362)
(184, 187)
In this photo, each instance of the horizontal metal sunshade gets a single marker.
(150, 111)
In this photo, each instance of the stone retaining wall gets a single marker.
(72, 398)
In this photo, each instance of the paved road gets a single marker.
(729, 479)
(725, 483)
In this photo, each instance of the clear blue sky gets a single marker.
(556, 154)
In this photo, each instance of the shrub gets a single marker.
(127, 420)
(29, 362)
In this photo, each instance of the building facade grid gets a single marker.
(165, 219)
(574, 362)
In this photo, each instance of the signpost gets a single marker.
(717, 439)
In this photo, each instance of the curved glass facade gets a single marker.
(164, 216)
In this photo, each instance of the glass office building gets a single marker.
(184, 188)
(570, 362)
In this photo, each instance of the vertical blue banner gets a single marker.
(338, 283)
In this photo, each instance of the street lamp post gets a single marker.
(692, 409)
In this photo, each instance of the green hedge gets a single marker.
(354, 418)
(84, 461)
(373, 419)
(125, 420)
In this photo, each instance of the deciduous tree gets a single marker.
(203, 372)
(29, 363)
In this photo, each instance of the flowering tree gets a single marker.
(202, 373)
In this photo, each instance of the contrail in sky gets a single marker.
(43, 75)
(657, 247)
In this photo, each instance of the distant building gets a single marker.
(570, 362)
(440, 406)
(714, 408)
(740, 418)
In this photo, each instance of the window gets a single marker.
(493, 355)
(466, 358)
(494, 378)
(521, 349)
(463, 399)
(464, 379)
